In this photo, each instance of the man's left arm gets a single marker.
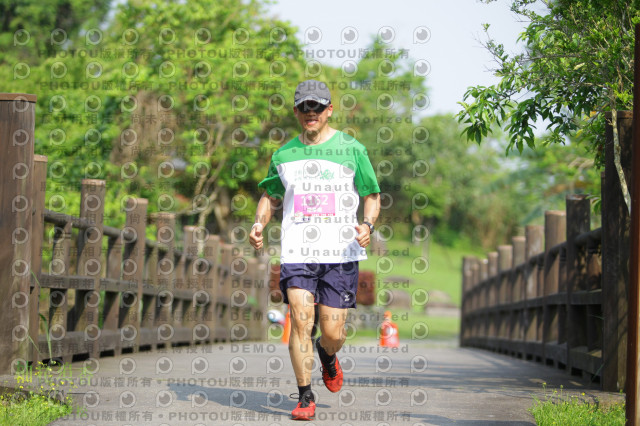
(371, 211)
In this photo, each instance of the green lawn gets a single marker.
(34, 410)
(560, 409)
(444, 272)
(35, 397)
(440, 328)
(443, 278)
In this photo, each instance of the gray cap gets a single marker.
(312, 90)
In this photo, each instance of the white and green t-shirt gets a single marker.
(320, 186)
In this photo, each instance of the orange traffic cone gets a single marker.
(389, 332)
(287, 328)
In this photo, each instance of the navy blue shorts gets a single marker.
(332, 284)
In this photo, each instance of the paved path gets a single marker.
(249, 384)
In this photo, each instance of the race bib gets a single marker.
(314, 204)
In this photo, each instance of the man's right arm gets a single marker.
(266, 207)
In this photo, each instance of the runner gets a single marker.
(317, 178)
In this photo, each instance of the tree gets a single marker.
(165, 101)
(35, 18)
(223, 72)
(577, 65)
(183, 103)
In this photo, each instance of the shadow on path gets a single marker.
(422, 385)
(258, 401)
(444, 421)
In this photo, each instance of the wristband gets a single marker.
(254, 225)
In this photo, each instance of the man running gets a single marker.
(317, 178)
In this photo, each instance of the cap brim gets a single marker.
(315, 98)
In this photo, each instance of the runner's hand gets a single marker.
(255, 237)
(363, 236)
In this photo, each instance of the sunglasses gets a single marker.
(308, 106)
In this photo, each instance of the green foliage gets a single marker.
(577, 65)
(166, 101)
(549, 175)
(560, 409)
(218, 73)
(475, 194)
(34, 20)
(182, 103)
(38, 397)
(381, 105)
(17, 410)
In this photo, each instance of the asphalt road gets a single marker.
(421, 383)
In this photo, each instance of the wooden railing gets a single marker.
(558, 294)
(107, 290)
(540, 297)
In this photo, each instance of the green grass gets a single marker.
(30, 401)
(444, 272)
(30, 410)
(439, 327)
(559, 409)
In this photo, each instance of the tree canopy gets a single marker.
(577, 64)
(183, 103)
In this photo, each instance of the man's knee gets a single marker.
(303, 331)
(333, 335)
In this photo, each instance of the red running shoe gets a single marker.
(306, 408)
(331, 374)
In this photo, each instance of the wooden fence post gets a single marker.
(37, 233)
(85, 309)
(534, 243)
(554, 234)
(492, 294)
(148, 322)
(250, 281)
(111, 307)
(518, 244)
(480, 326)
(212, 255)
(484, 269)
(615, 256)
(517, 295)
(17, 123)
(223, 294)
(465, 304)
(519, 253)
(189, 277)
(169, 310)
(133, 263)
(578, 222)
(483, 276)
(505, 260)
(239, 296)
(59, 297)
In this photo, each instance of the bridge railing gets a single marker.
(105, 290)
(540, 297)
(558, 294)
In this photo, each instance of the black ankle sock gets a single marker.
(303, 389)
(325, 358)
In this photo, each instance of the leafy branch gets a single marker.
(578, 63)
